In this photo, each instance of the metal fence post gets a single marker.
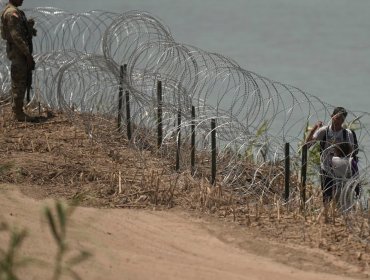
(192, 156)
(120, 98)
(213, 136)
(287, 171)
(159, 112)
(178, 140)
(128, 115)
(304, 175)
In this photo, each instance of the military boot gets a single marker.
(19, 114)
(22, 117)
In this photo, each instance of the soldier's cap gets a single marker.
(341, 111)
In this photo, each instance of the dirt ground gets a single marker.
(142, 244)
(142, 220)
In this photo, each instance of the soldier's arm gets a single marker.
(15, 31)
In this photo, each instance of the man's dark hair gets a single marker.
(340, 110)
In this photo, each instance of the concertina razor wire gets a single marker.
(78, 58)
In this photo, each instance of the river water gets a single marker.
(319, 46)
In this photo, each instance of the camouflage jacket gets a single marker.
(15, 30)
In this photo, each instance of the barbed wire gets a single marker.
(79, 56)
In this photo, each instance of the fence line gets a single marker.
(255, 115)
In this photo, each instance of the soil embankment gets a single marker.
(141, 244)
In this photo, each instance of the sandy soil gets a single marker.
(143, 244)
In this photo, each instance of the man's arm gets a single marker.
(309, 139)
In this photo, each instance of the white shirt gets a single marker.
(332, 138)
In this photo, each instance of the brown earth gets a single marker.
(141, 244)
(177, 228)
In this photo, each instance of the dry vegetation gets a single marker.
(57, 158)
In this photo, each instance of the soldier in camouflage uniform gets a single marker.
(18, 32)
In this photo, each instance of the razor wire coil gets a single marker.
(78, 58)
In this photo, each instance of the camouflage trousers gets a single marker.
(18, 73)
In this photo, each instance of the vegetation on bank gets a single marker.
(57, 219)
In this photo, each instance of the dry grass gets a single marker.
(59, 159)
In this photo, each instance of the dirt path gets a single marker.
(133, 244)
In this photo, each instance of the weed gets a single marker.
(10, 261)
(58, 228)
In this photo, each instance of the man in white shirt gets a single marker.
(329, 136)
